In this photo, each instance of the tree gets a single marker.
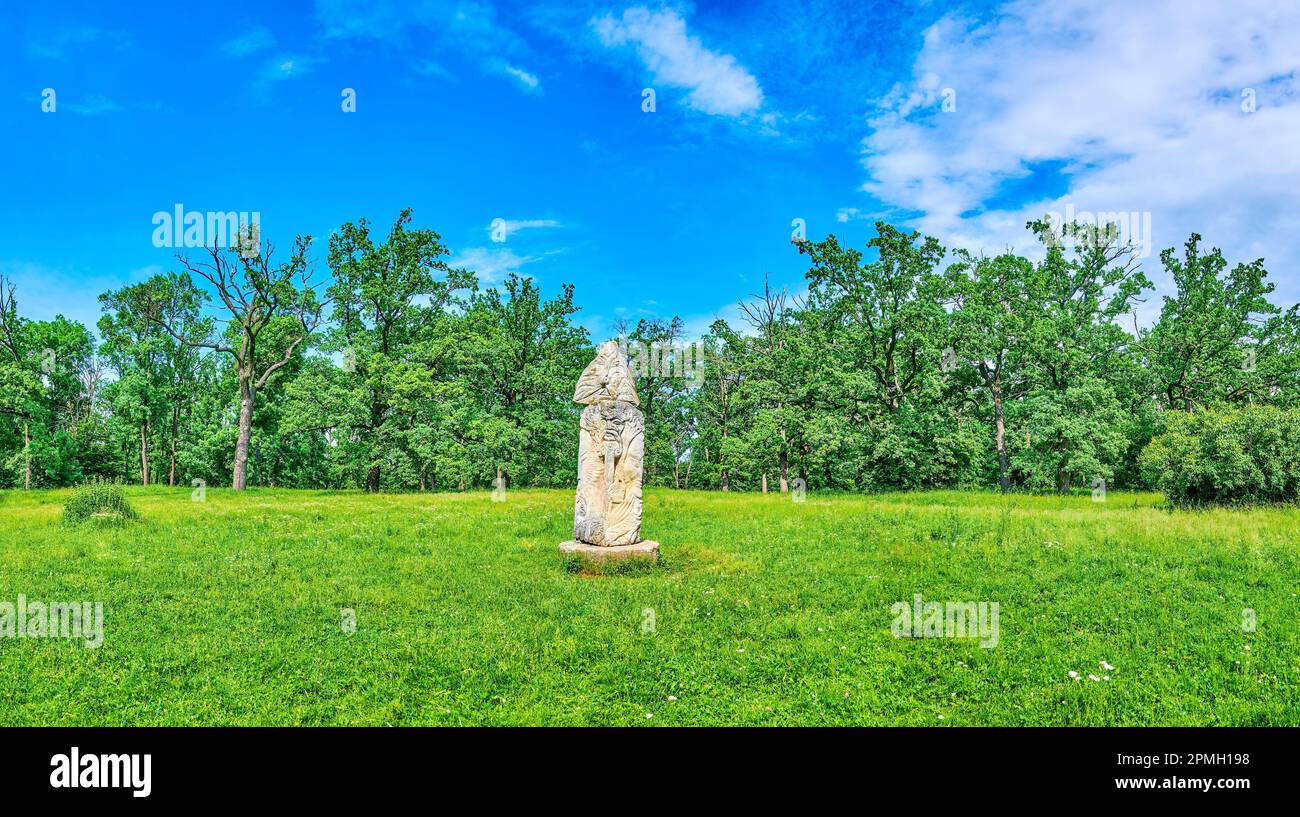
(138, 349)
(990, 324)
(715, 403)
(527, 356)
(775, 375)
(1076, 343)
(886, 311)
(41, 363)
(657, 352)
(386, 300)
(1206, 346)
(272, 311)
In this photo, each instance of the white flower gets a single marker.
(1074, 675)
(1104, 665)
(740, 649)
(1092, 677)
(1105, 677)
(649, 715)
(941, 717)
(672, 697)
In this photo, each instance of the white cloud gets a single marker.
(44, 292)
(717, 83)
(63, 39)
(513, 226)
(94, 104)
(468, 28)
(360, 18)
(1137, 106)
(283, 67)
(290, 66)
(254, 40)
(432, 69)
(527, 80)
(490, 264)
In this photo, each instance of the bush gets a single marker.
(1227, 457)
(98, 501)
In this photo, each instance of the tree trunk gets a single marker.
(1063, 475)
(1000, 434)
(171, 476)
(785, 468)
(27, 455)
(377, 411)
(764, 482)
(239, 480)
(144, 452)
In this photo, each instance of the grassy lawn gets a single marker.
(766, 612)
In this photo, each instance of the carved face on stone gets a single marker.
(611, 449)
(606, 378)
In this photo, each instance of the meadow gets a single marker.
(763, 611)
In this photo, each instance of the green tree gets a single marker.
(990, 324)
(1077, 295)
(1208, 344)
(271, 311)
(387, 299)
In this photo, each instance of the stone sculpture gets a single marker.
(611, 449)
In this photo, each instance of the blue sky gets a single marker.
(833, 113)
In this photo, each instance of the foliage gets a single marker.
(1228, 456)
(902, 367)
(98, 501)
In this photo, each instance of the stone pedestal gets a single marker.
(597, 554)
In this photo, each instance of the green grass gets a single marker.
(766, 611)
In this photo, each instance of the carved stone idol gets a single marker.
(611, 449)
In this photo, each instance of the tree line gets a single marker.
(904, 367)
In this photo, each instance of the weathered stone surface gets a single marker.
(645, 549)
(606, 378)
(611, 450)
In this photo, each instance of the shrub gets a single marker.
(1228, 456)
(98, 501)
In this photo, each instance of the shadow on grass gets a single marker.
(576, 565)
